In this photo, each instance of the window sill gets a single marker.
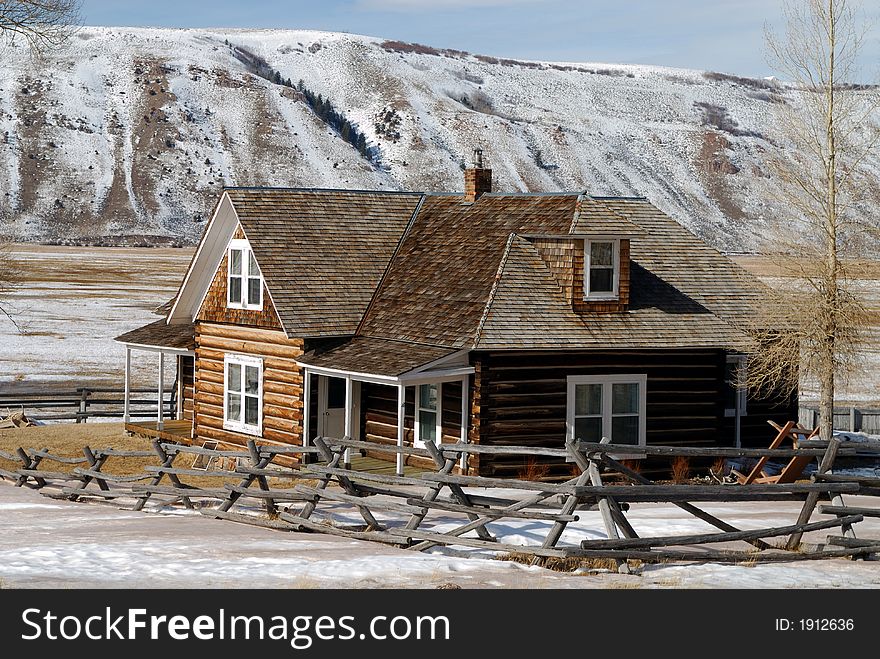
(246, 430)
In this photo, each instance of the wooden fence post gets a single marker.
(813, 497)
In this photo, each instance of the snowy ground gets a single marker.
(70, 305)
(46, 543)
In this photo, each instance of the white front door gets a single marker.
(331, 407)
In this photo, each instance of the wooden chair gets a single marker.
(795, 467)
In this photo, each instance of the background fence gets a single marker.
(853, 419)
(83, 403)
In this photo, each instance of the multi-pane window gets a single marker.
(243, 393)
(427, 413)
(601, 268)
(245, 283)
(610, 406)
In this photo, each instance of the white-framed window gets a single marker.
(244, 282)
(607, 406)
(601, 269)
(428, 414)
(736, 391)
(243, 394)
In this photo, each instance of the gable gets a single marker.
(214, 307)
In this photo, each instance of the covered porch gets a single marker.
(165, 342)
(388, 393)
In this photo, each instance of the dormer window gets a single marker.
(601, 269)
(244, 284)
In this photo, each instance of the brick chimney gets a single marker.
(477, 179)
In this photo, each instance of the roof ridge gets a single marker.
(498, 274)
(269, 188)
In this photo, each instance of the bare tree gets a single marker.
(43, 24)
(828, 135)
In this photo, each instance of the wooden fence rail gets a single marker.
(440, 508)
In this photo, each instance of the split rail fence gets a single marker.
(262, 486)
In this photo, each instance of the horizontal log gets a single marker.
(843, 478)
(56, 458)
(112, 452)
(716, 556)
(249, 346)
(8, 475)
(190, 492)
(281, 399)
(849, 510)
(253, 520)
(67, 492)
(180, 471)
(110, 478)
(863, 447)
(243, 332)
(49, 475)
(273, 473)
(9, 456)
(371, 503)
(373, 536)
(199, 450)
(489, 449)
(482, 481)
(707, 452)
(280, 436)
(364, 477)
(844, 541)
(491, 512)
(266, 451)
(660, 492)
(286, 413)
(708, 538)
(382, 448)
(275, 495)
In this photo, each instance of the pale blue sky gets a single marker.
(721, 35)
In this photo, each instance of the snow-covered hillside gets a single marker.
(128, 134)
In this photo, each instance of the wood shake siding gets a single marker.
(565, 259)
(214, 309)
(282, 381)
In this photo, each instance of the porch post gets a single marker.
(464, 420)
(307, 395)
(160, 424)
(126, 412)
(401, 411)
(348, 414)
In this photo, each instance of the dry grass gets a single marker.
(568, 564)
(534, 471)
(67, 440)
(681, 469)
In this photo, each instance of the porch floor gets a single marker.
(174, 430)
(379, 466)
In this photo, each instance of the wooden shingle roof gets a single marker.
(376, 356)
(464, 277)
(322, 252)
(528, 310)
(436, 288)
(158, 334)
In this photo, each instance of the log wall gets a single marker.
(521, 400)
(282, 381)
(379, 417)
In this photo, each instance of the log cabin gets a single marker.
(400, 318)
